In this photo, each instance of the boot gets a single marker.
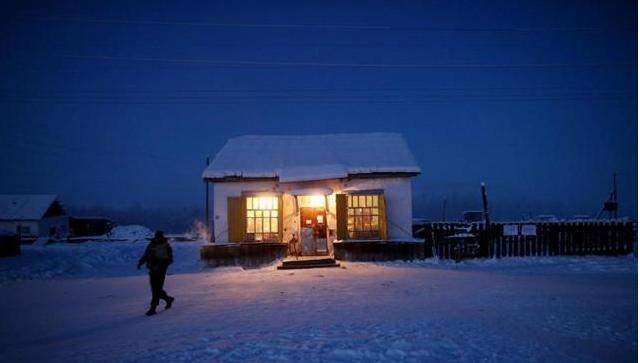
(151, 311)
(169, 300)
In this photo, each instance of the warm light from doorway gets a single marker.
(316, 201)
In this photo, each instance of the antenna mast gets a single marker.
(611, 204)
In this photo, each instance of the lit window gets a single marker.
(262, 218)
(363, 217)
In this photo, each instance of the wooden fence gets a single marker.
(459, 240)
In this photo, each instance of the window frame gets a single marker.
(255, 215)
(360, 219)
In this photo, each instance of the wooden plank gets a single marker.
(236, 220)
(613, 245)
(341, 217)
(619, 237)
(539, 239)
(563, 233)
(513, 252)
(383, 217)
(601, 241)
(627, 237)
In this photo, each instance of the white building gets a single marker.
(310, 191)
(33, 215)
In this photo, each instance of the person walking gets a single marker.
(157, 256)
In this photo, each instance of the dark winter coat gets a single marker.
(158, 255)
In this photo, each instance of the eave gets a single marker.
(375, 175)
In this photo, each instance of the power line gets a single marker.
(293, 26)
(307, 100)
(120, 91)
(276, 97)
(346, 65)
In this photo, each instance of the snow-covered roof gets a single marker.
(312, 157)
(25, 206)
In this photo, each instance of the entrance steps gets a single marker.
(308, 262)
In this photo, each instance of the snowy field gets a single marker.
(85, 302)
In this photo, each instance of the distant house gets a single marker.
(313, 190)
(33, 215)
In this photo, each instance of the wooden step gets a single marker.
(310, 265)
(308, 261)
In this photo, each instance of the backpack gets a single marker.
(160, 251)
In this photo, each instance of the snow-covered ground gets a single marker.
(90, 259)
(66, 303)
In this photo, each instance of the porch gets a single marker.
(257, 254)
(247, 255)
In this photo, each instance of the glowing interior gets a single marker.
(312, 201)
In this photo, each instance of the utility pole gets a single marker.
(487, 223)
(206, 206)
(485, 205)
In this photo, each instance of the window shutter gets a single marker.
(236, 218)
(280, 219)
(383, 217)
(341, 216)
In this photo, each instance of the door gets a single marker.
(313, 231)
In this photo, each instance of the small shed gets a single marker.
(33, 215)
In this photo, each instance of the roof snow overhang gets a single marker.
(288, 158)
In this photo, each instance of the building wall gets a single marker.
(397, 193)
(60, 223)
(221, 191)
(40, 228)
(12, 226)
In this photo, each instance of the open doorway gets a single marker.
(313, 226)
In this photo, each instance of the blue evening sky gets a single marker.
(117, 103)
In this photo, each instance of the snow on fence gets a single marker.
(459, 241)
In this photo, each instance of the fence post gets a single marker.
(436, 240)
(587, 233)
(535, 241)
(581, 235)
(603, 240)
(628, 237)
(497, 242)
(613, 239)
(428, 242)
(543, 241)
(618, 235)
(559, 232)
(547, 243)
